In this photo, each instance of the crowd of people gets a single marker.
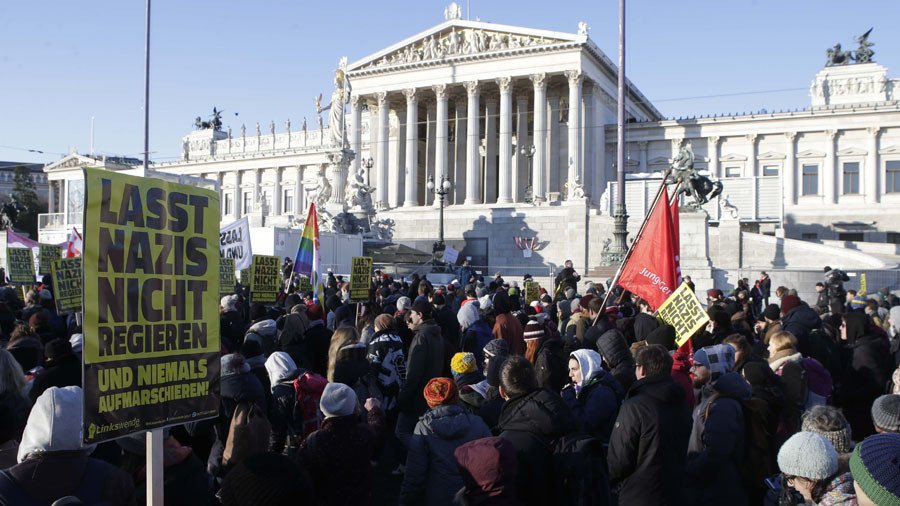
(477, 396)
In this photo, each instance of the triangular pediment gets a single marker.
(771, 155)
(733, 157)
(890, 150)
(852, 152)
(660, 160)
(70, 161)
(462, 39)
(811, 153)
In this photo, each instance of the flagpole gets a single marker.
(662, 188)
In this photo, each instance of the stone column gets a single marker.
(575, 176)
(540, 134)
(588, 160)
(712, 150)
(504, 195)
(238, 195)
(299, 194)
(441, 136)
(490, 153)
(394, 174)
(473, 158)
(356, 132)
(459, 180)
(872, 169)
(257, 183)
(370, 179)
(642, 158)
(412, 148)
(599, 140)
(829, 171)
(554, 178)
(751, 156)
(789, 172)
(51, 197)
(522, 177)
(430, 142)
(276, 198)
(381, 157)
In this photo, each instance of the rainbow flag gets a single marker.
(306, 262)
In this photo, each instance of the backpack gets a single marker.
(757, 463)
(579, 471)
(818, 383)
(309, 387)
(90, 490)
(248, 434)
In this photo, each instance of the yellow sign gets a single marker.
(20, 266)
(48, 253)
(265, 279)
(360, 278)
(683, 311)
(862, 285)
(151, 320)
(66, 273)
(305, 285)
(532, 291)
(226, 276)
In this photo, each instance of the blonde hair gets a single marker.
(343, 336)
(11, 374)
(783, 340)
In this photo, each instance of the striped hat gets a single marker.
(534, 330)
(875, 466)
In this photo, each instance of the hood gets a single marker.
(857, 324)
(803, 315)
(732, 384)
(266, 328)
(661, 388)
(542, 413)
(488, 467)
(280, 367)
(428, 329)
(446, 422)
(295, 325)
(242, 387)
(781, 357)
(54, 424)
(468, 315)
(590, 363)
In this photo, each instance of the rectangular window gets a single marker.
(893, 237)
(229, 204)
(771, 170)
(288, 202)
(892, 179)
(248, 202)
(732, 172)
(267, 200)
(851, 236)
(809, 236)
(851, 178)
(810, 179)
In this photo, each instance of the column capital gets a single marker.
(381, 97)
(873, 131)
(575, 77)
(440, 91)
(752, 137)
(831, 134)
(642, 144)
(505, 84)
(472, 87)
(791, 136)
(714, 140)
(354, 101)
(539, 80)
(411, 97)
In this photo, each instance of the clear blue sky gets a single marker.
(64, 61)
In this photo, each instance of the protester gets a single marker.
(488, 468)
(475, 331)
(593, 396)
(292, 335)
(546, 354)
(506, 326)
(14, 408)
(886, 413)
(830, 423)
(809, 464)
(282, 413)
(266, 480)
(184, 476)
(385, 352)
(262, 328)
(874, 466)
(649, 441)
(644, 322)
(61, 368)
(867, 370)
(316, 339)
(432, 476)
(609, 341)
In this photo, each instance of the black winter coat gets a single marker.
(551, 365)
(800, 321)
(644, 324)
(314, 348)
(424, 361)
(65, 372)
(615, 352)
(531, 423)
(648, 446)
(868, 367)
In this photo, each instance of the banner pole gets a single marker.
(155, 467)
(662, 188)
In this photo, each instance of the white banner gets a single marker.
(450, 255)
(234, 242)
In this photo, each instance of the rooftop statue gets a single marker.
(837, 56)
(215, 121)
(864, 53)
(690, 181)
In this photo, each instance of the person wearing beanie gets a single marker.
(663, 335)
(464, 368)
(62, 368)
(829, 422)
(868, 368)
(768, 324)
(432, 476)
(799, 319)
(809, 464)
(266, 480)
(476, 333)
(445, 318)
(313, 351)
(339, 453)
(717, 437)
(875, 466)
(644, 322)
(488, 468)
(53, 461)
(185, 475)
(886, 413)
(545, 351)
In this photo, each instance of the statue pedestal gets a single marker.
(695, 262)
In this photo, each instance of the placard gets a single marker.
(234, 243)
(360, 278)
(20, 266)
(226, 276)
(450, 255)
(683, 311)
(265, 279)
(151, 315)
(48, 253)
(532, 291)
(67, 288)
(862, 285)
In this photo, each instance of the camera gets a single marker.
(834, 285)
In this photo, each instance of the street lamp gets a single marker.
(441, 191)
(528, 153)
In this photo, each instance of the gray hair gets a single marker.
(11, 374)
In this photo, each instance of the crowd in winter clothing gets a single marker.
(476, 396)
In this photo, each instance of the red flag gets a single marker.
(74, 244)
(676, 236)
(650, 271)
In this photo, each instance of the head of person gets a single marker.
(496, 454)
(782, 341)
(830, 423)
(808, 462)
(468, 315)
(875, 467)
(711, 362)
(258, 312)
(886, 413)
(853, 326)
(820, 287)
(851, 294)
(517, 377)
(419, 313)
(344, 345)
(463, 363)
(403, 304)
(280, 367)
(584, 365)
(568, 264)
(338, 400)
(495, 352)
(234, 363)
(772, 313)
(383, 322)
(440, 392)
(12, 378)
(54, 424)
(742, 349)
(652, 361)
(594, 305)
(664, 335)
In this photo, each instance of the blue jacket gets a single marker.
(596, 405)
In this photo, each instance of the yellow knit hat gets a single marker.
(462, 363)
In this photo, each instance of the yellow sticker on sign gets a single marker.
(683, 311)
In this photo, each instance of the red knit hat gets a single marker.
(789, 302)
(440, 391)
(314, 312)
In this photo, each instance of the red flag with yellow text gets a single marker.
(650, 272)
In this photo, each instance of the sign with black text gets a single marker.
(265, 279)
(20, 266)
(226, 276)
(532, 291)
(360, 278)
(66, 273)
(683, 311)
(234, 243)
(151, 319)
(48, 253)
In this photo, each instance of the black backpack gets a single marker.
(579, 471)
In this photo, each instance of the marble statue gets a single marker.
(303, 125)
(358, 194)
(323, 190)
(453, 11)
(339, 97)
(727, 210)
(583, 28)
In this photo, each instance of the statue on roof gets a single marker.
(837, 56)
(453, 11)
(864, 52)
(339, 98)
(214, 123)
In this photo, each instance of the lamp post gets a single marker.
(441, 191)
(528, 153)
